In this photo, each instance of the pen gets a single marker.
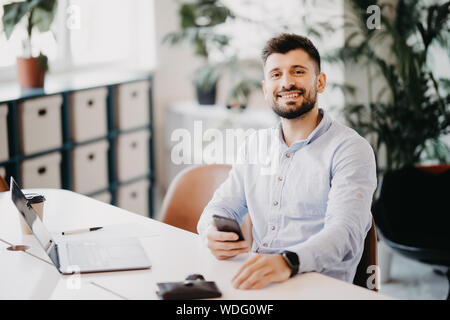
(80, 231)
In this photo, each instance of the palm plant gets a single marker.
(415, 113)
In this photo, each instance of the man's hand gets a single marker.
(222, 244)
(260, 270)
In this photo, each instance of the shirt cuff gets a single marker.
(306, 259)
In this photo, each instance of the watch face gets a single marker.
(292, 257)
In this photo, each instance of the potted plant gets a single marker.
(243, 81)
(197, 23)
(38, 14)
(408, 118)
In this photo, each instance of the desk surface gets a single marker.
(174, 253)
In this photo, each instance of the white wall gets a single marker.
(171, 79)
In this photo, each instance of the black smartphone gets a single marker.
(228, 225)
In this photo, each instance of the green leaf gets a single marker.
(43, 15)
(43, 61)
(14, 12)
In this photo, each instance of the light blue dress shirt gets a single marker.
(312, 198)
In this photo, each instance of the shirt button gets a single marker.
(264, 244)
(275, 203)
(280, 178)
(273, 228)
(288, 155)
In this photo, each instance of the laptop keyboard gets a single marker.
(86, 255)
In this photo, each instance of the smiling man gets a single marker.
(311, 212)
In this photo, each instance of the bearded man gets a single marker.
(311, 212)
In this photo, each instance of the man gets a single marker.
(311, 210)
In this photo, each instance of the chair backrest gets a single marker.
(3, 185)
(189, 193)
(368, 259)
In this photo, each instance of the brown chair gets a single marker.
(193, 188)
(3, 185)
(369, 258)
(190, 192)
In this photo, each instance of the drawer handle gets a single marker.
(42, 170)
(42, 112)
(134, 145)
(134, 94)
(134, 195)
(91, 156)
(90, 102)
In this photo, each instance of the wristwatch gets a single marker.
(292, 261)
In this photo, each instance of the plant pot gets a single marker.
(206, 97)
(30, 73)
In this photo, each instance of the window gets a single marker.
(88, 34)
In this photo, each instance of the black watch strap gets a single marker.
(292, 261)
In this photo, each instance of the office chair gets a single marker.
(3, 185)
(193, 188)
(368, 258)
(412, 217)
(190, 192)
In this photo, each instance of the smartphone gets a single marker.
(228, 225)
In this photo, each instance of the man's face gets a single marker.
(291, 83)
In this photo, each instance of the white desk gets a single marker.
(174, 253)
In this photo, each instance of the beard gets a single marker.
(292, 109)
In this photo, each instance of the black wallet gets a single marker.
(188, 289)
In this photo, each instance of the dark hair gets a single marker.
(286, 42)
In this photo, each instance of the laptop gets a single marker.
(82, 256)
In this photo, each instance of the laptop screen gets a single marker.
(30, 216)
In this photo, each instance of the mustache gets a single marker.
(293, 88)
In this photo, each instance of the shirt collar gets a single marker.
(316, 133)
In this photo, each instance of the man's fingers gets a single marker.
(263, 281)
(247, 270)
(222, 236)
(251, 261)
(226, 254)
(255, 277)
(227, 245)
(223, 245)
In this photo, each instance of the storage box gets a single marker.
(104, 197)
(134, 197)
(132, 105)
(40, 124)
(42, 172)
(88, 114)
(132, 155)
(4, 152)
(90, 167)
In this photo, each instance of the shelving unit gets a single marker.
(11, 95)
